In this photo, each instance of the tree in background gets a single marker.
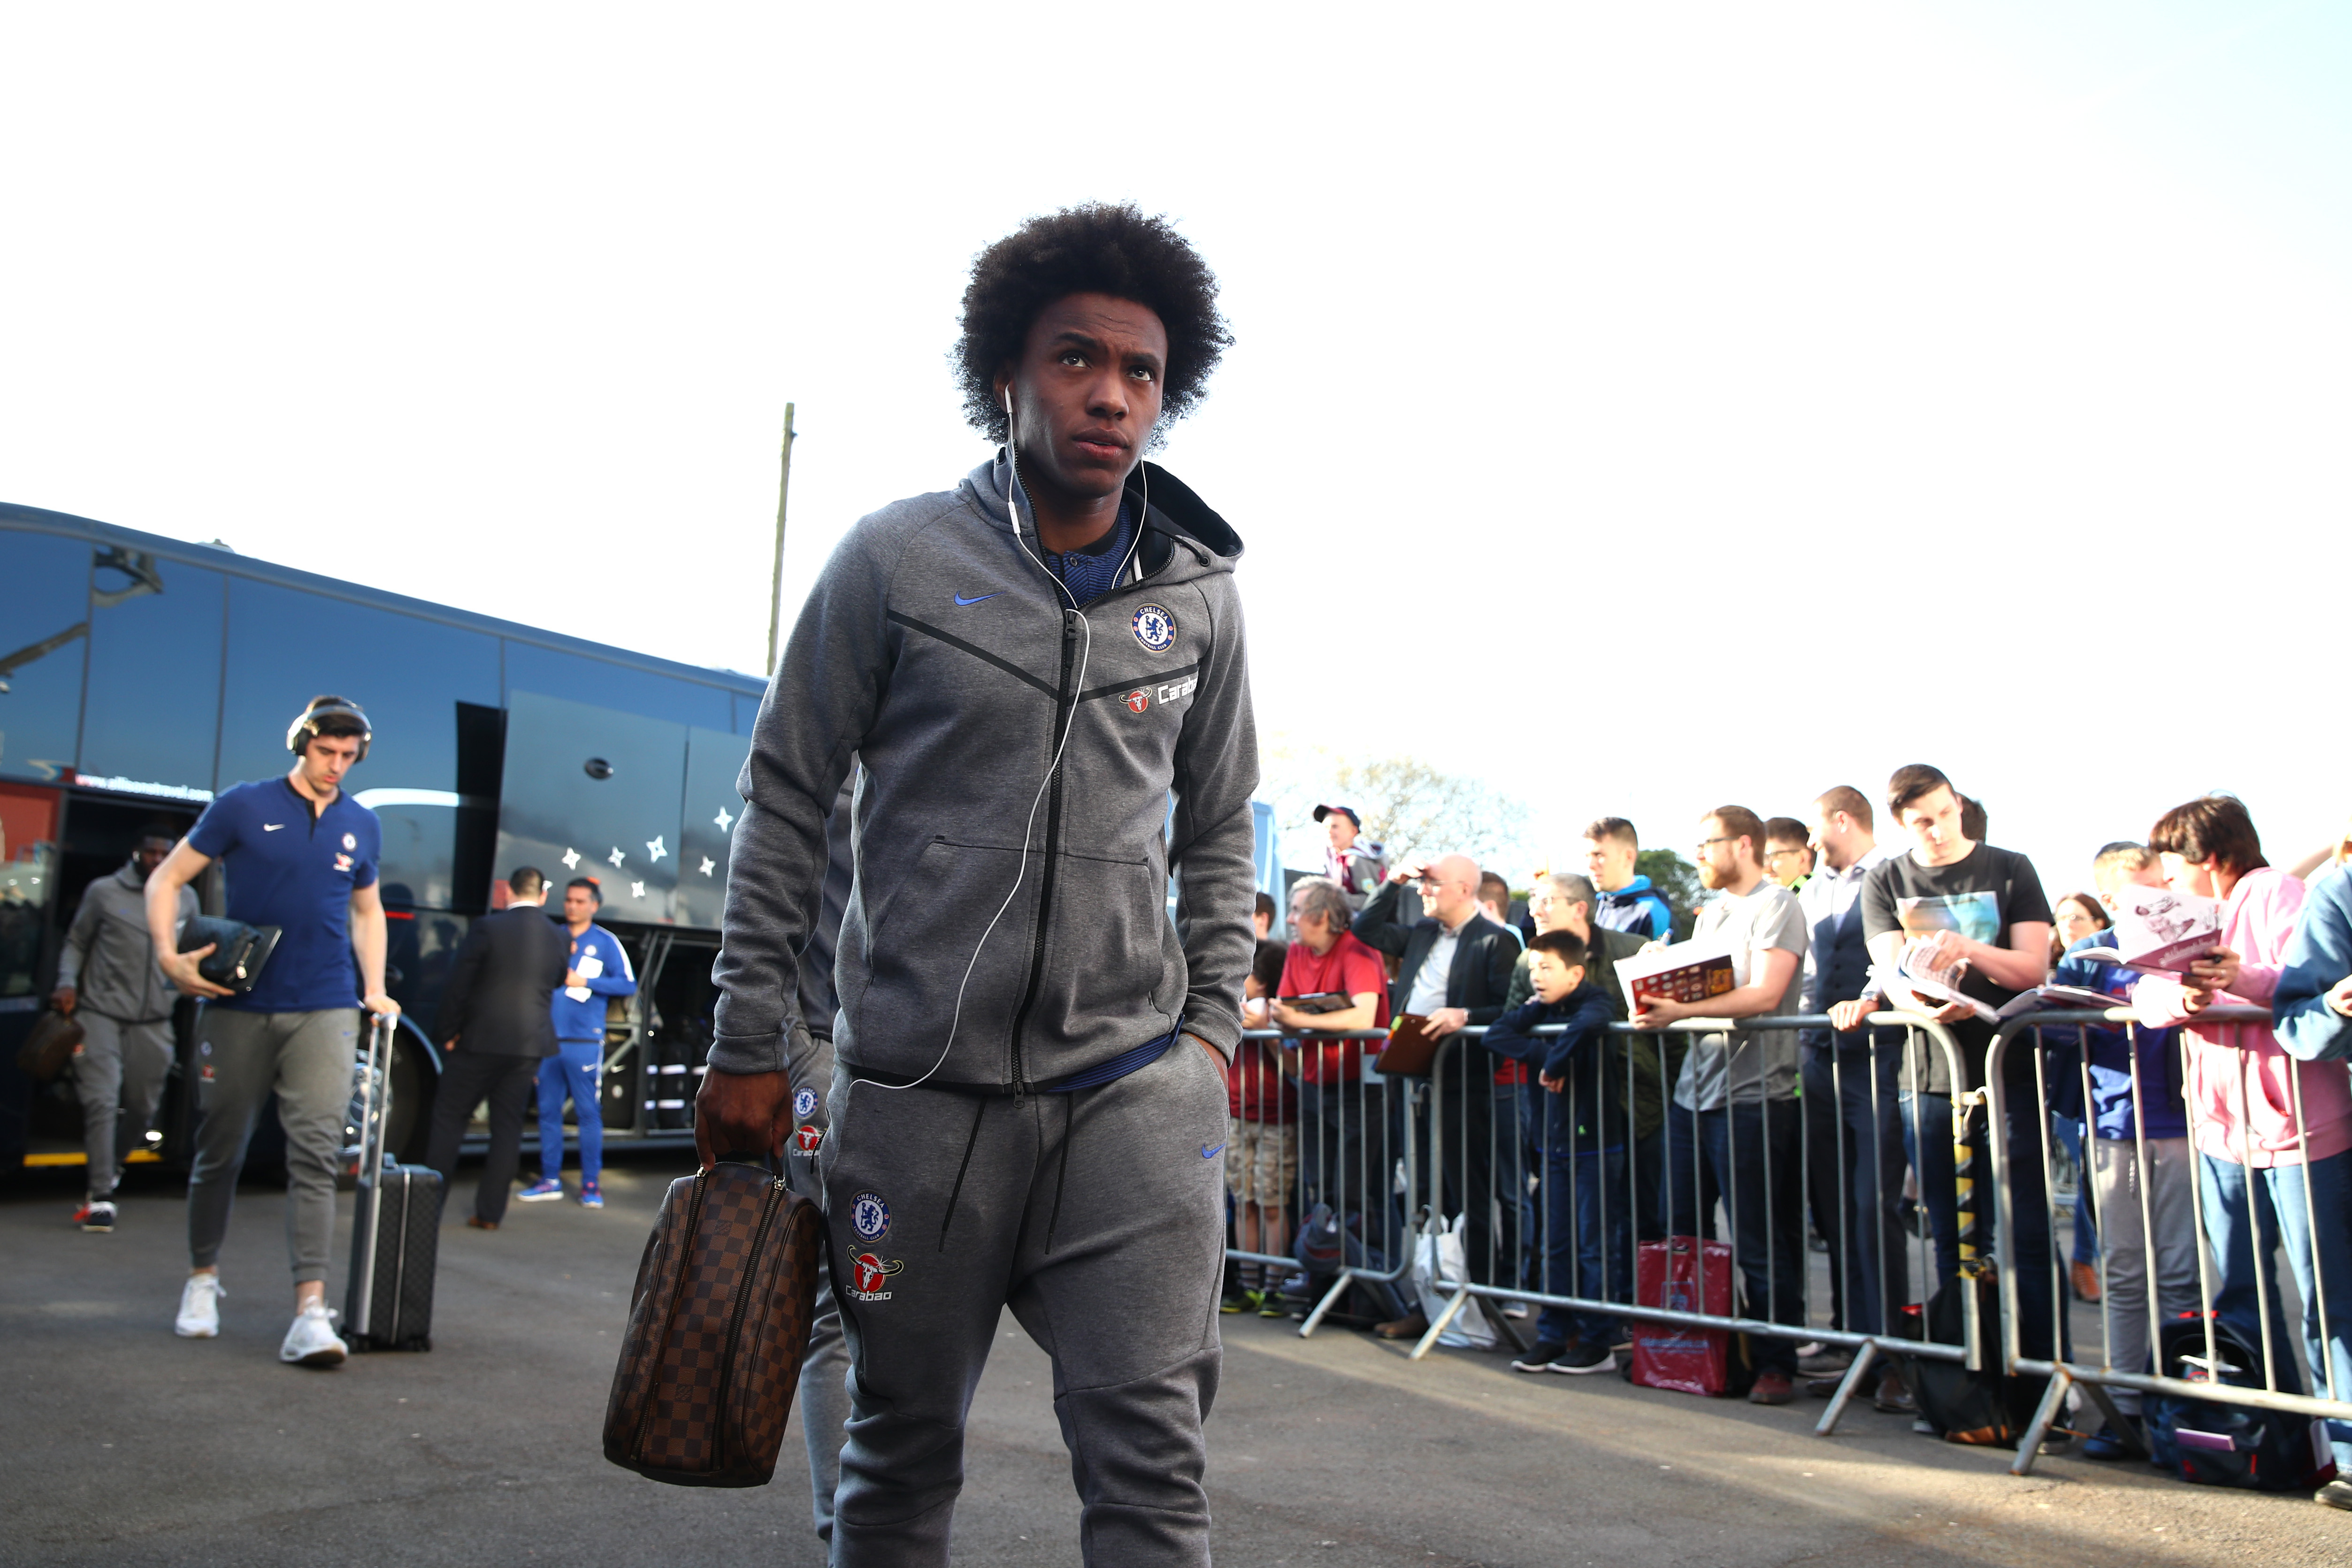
(1407, 805)
(1676, 881)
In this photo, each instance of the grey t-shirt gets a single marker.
(1756, 1064)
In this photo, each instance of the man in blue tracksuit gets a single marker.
(598, 968)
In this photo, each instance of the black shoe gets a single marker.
(1539, 1357)
(1578, 1359)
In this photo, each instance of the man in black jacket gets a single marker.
(496, 1027)
(1454, 969)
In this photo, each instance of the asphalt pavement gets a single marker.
(124, 1444)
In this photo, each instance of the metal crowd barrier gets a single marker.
(1349, 1150)
(2058, 1041)
(1487, 1176)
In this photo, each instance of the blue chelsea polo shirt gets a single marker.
(294, 871)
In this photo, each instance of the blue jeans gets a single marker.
(1928, 1138)
(1854, 1166)
(572, 1072)
(1747, 1155)
(2276, 1196)
(2086, 1229)
(1588, 1242)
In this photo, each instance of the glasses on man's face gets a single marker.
(1706, 845)
(1771, 855)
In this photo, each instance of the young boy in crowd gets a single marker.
(1587, 1210)
(2116, 1115)
(1261, 1141)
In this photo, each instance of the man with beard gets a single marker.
(1735, 1100)
(109, 981)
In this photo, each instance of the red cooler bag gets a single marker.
(1682, 1274)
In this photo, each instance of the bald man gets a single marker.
(1453, 969)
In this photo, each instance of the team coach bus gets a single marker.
(140, 675)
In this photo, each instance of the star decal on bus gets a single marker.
(654, 846)
(708, 865)
(723, 820)
(570, 858)
(617, 857)
(637, 890)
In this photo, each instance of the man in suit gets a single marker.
(495, 1028)
(1453, 970)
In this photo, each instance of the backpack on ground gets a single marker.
(1980, 1407)
(2217, 1445)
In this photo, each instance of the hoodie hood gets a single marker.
(1176, 521)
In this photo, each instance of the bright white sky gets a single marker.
(1642, 407)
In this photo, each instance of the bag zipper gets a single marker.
(735, 1325)
(669, 1318)
(1065, 714)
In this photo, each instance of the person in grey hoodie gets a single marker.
(108, 980)
(1027, 1104)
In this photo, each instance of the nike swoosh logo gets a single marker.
(961, 600)
(271, 827)
(1209, 1153)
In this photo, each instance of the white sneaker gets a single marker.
(200, 1307)
(312, 1341)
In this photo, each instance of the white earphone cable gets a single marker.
(1069, 723)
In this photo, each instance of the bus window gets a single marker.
(44, 589)
(531, 668)
(29, 858)
(287, 646)
(592, 792)
(153, 713)
(713, 762)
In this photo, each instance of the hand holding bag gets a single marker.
(719, 1324)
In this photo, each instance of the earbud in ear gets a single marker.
(1008, 401)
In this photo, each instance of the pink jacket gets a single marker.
(2240, 1084)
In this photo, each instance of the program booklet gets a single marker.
(1684, 972)
(2161, 931)
(1937, 982)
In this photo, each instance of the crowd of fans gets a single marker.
(1568, 1138)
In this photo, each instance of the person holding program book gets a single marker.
(1734, 1119)
(1586, 1133)
(2273, 1134)
(1954, 904)
(2138, 1156)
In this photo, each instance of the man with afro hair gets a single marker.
(1027, 1101)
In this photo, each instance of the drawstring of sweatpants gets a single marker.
(1062, 1168)
(979, 1109)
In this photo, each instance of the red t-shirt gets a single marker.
(1349, 969)
(1255, 1090)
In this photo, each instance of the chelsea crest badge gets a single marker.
(1155, 627)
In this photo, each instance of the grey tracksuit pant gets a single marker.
(2127, 1248)
(1098, 1217)
(307, 1058)
(119, 1064)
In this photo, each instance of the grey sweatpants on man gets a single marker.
(1098, 1217)
(241, 1058)
(824, 1370)
(119, 1065)
(2124, 1244)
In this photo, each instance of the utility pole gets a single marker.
(776, 582)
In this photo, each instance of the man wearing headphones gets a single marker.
(301, 856)
(1027, 1106)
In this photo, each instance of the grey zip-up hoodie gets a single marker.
(109, 959)
(942, 656)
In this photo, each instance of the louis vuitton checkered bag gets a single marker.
(718, 1324)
